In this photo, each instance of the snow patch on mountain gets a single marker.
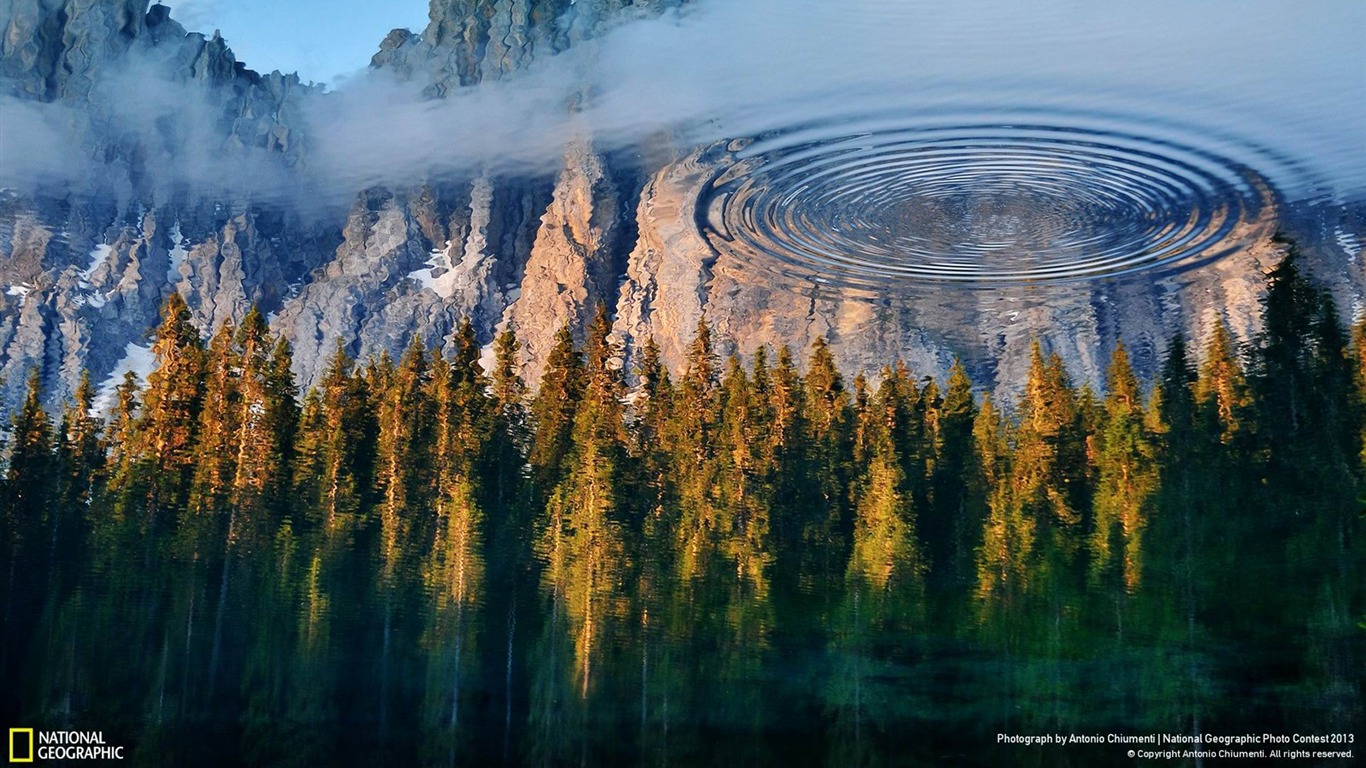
(178, 253)
(97, 257)
(138, 359)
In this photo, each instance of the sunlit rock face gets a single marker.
(680, 271)
(1079, 238)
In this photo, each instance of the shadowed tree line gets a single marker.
(421, 562)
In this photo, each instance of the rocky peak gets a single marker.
(473, 41)
(58, 50)
(53, 49)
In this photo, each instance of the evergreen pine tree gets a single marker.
(309, 462)
(217, 450)
(886, 554)
(167, 431)
(30, 487)
(464, 437)
(1303, 392)
(955, 517)
(403, 448)
(828, 422)
(282, 418)
(654, 395)
(826, 522)
(788, 437)
(122, 481)
(763, 417)
(337, 446)
(1006, 558)
(267, 417)
(476, 415)
(1178, 534)
(552, 412)
(510, 431)
(582, 545)
(696, 410)
(1128, 477)
(81, 449)
(1050, 465)
(865, 418)
(1175, 399)
(1221, 391)
(652, 406)
(1177, 428)
(692, 444)
(742, 495)
(27, 510)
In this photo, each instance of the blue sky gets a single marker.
(322, 40)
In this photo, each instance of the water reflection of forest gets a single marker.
(749, 565)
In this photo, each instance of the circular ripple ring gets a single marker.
(976, 205)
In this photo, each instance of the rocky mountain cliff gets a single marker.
(161, 200)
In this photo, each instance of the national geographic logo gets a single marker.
(28, 744)
(21, 745)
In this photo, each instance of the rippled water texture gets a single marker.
(982, 204)
(981, 149)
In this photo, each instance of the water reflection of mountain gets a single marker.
(990, 323)
(204, 185)
(760, 564)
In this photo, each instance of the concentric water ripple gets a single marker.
(978, 204)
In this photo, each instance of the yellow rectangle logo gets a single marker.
(13, 757)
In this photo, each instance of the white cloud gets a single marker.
(726, 68)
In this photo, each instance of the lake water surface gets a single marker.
(875, 145)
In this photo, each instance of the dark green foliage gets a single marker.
(80, 448)
(30, 517)
(552, 412)
(336, 446)
(952, 523)
(696, 409)
(510, 428)
(683, 568)
(1302, 386)
(30, 487)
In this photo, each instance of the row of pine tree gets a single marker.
(223, 527)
